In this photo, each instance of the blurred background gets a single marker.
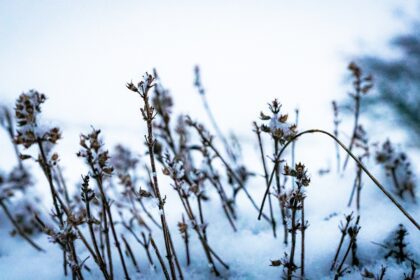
(81, 54)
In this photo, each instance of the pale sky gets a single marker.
(81, 54)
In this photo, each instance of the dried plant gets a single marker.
(148, 113)
(127, 200)
(175, 170)
(366, 274)
(397, 246)
(351, 233)
(362, 84)
(97, 159)
(398, 167)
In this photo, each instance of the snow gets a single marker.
(285, 60)
(248, 251)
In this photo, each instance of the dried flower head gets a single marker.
(397, 246)
(362, 83)
(182, 227)
(27, 110)
(143, 86)
(277, 125)
(28, 107)
(174, 168)
(299, 172)
(93, 152)
(398, 167)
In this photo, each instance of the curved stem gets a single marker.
(377, 183)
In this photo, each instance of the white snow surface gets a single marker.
(248, 251)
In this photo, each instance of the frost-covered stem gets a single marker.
(382, 273)
(17, 227)
(221, 191)
(336, 123)
(135, 212)
(395, 181)
(357, 98)
(145, 244)
(130, 253)
(48, 174)
(262, 154)
(79, 232)
(148, 116)
(205, 233)
(201, 215)
(353, 237)
(63, 184)
(148, 213)
(278, 185)
(101, 262)
(178, 266)
(76, 269)
(359, 189)
(186, 241)
(195, 225)
(340, 244)
(227, 209)
(101, 237)
(294, 145)
(98, 178)
(106, 235)
(229, 169)
(64, 260)
(213, 121)
(302, 252)
(217, 257)
(377, 183)
(162, 264)
(291, 264)
(357, 185)
(339, 271)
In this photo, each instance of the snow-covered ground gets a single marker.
(82, 54)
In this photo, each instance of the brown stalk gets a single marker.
(105, 203)
(227, 209)
(80, 234)
(48, 174)
(291, 264)
(262, 154)
(162, 263)
(302, 244)
(148, 115)
(186, 241)
(340, 244)
(101, 262)
(201, 235)
(130, 253)
(229, 169)
(277, 165)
